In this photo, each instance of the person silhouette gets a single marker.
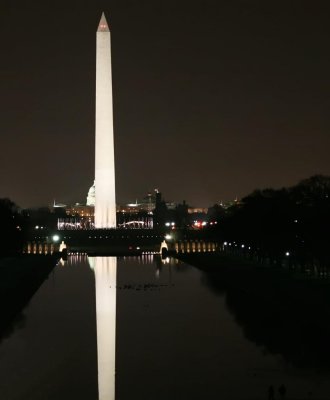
(282, 391)
(271, 393)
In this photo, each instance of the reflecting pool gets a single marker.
(144, 328)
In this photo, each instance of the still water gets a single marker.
(138, 327)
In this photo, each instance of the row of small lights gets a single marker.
(109, 237)
(287, 253)
(196, 223)
(55, 238)
(204, 223)
(123, 237)
(144, 253)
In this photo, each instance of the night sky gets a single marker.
(212, 99)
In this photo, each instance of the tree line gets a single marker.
(292, 222)
(11, 228)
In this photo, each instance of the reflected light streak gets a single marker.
(105, 269)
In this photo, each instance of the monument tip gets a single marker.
(103, 25)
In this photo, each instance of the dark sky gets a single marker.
(212, 99)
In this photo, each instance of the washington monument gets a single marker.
(105, 191)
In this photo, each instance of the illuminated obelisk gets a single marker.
(105, 192)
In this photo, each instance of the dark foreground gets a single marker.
(20, 278)
(285, 311)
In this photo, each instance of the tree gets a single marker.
(11, 239)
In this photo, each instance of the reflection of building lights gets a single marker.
(199, 224)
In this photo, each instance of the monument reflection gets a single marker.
(105, 270)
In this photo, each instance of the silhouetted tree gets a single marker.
(44, 216)
(294, 220)
(160, 214)
(181, 215)
(11, 223)
(312, 201)
(216, 213)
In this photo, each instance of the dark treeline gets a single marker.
(12, 228)
(16, 225)
(292, 221)
(20, 277)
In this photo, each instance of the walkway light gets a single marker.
(56, 238)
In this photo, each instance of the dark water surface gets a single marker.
(175, 339)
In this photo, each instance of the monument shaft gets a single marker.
(105, 192)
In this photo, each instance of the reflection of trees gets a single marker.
(7, 328)
(20, 278)
(287, 317)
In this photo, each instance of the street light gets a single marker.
(56, 238)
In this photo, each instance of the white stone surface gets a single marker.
(91, 196)
(105, 191)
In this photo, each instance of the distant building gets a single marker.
(80, 210)
(91, 196)
(148, 212)
(197, 210)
